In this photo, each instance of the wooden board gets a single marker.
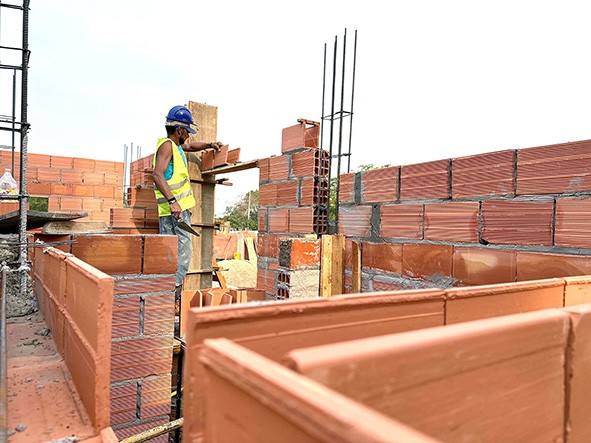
(356, 266)
(332, 265)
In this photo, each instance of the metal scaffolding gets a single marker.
(9, 123)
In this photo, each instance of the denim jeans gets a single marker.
(168, 226)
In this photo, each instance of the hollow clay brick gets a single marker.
(536, 266)
(104, 166)
(403, 220)
(59, 162)
(287, 193)
(141, 357)
(573, 221)
(113, 254)
(299, 136)
(525, 222)
(262, 220)
(456, 222)
(278, 167)
(39, 189)
(383, 256)
(38, 160)
(309, 163)
(263, 165)
(83, 191)
(160, 254)
(554, 169)
(301, 220)
(477, 302)
(159, 314)
(577, 290)
(346, 188)
(299, 253)
(425, 180)
(128, 431)
(480, 266)
(483, 175)
(279, 405)
(126, 317)
(426, 261)
(268, 194)
(48, 175)
(278, 220)
(354, 221)
(380, 185)
(579, 379)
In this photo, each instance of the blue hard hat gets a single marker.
(180, 116)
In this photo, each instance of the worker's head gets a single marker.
(179, 121)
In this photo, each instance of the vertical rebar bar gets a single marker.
(334, 71)
(3, 358)
(23, 268)
(13, 118)
(338, 175)
(352, 97)
(323, 94)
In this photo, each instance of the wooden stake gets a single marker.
(356, 266)
(332, 265)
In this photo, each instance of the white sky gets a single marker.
(435, 79)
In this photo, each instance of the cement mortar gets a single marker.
(17, 304)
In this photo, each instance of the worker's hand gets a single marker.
(216, 146)
(175, 210)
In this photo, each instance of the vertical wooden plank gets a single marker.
(325, 266)
(338, 264)
(332, 265)
(356, 267)
(203, 214)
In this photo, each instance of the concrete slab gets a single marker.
(74, 227)
(9, 222)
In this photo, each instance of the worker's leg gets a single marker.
(185, 249)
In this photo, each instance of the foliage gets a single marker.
(40, 204)
(243, 215)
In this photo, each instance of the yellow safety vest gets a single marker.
(179, 183)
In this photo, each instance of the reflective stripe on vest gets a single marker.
(179, 183)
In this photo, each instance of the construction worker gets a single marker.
(174, 195)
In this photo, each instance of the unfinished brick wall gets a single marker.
(72, 183)
(293, 198)
(504, 216)
(141, 269)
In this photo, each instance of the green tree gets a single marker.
(243, 215)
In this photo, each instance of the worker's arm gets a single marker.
(163, 158)
(201, 146)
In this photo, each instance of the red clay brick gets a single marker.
(106, 192)
(71, 204)
(301, 220)
(159, 314)
(425, 180)
(113, 254)
(278, 220)
(39, 189)
(554, 169)
(144, 283)
(113, 179)
(309, 163)
(74, 177)
(84, 164)
(287, 193)
(457, 221)
(104, 166)
(299, 136)
(380, 185)
(479, 266)
(346, 190)
(160, 254)
(155, 398)
(141, 357)
(314, 191)
(58, 189)
(48, 175)
(129, 431)
(83, 191)
(573, 222)
(387, 257)
(58, 162)
(123, 403)
(299, 253)
(404, 220)
(38, 160)
(278, 169)
(263, 165)
(483, 175)
(268, 194)
(126, 316)
(354, 221)
(425, 260)
(517, 221)
(93, 178)
(262, 225)
(536, 266)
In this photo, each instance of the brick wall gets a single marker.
(72, 183)
(141, 270)
(504, 216)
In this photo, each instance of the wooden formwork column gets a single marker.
(202, 220)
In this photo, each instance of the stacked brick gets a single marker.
(140, 216)
(293, 197)
(71, 183)
(497, 210)
(299, 268)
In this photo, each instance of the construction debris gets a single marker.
(17, 303)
